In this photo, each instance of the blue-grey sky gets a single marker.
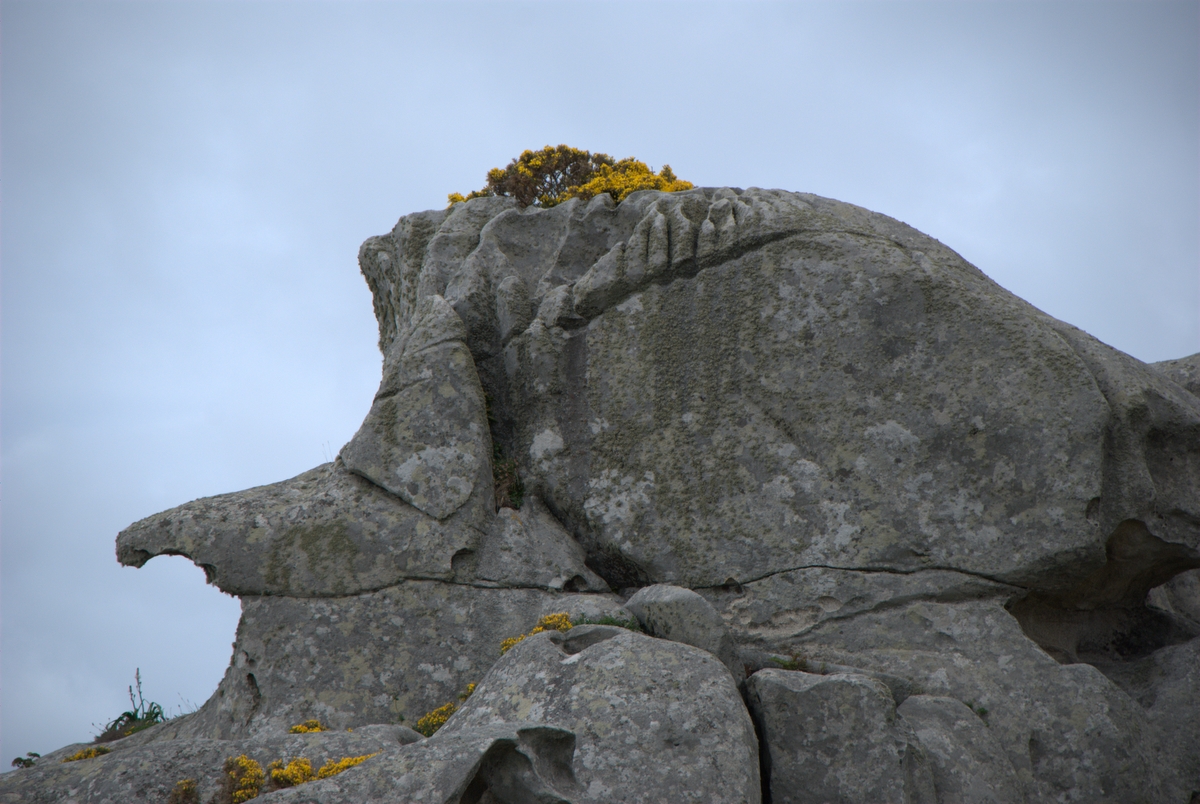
(184, 187)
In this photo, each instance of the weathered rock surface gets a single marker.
(146, 772)
(681, 615)
(1069, 733)
(383, 657)
(503, 763)
(1184, 372)
(969, 764)
(654, 720)
(426, 438)
(872, 462)
(835, 738)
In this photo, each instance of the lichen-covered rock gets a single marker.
(387, 656)
(1184, 372)
(969, 765)
(654, 720)
(147, 772)
(1167, 684)
(681, 615)
(1069, 733)
(835, 738)
(503, 763)
(426, 437)
(324, 533)
(530, 548)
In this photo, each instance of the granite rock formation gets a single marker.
(893, 534)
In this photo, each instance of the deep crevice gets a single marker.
(1106, 618)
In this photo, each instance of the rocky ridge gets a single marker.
(890, 533)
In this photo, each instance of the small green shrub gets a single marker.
(28, 761)
(143, 715)
(980, 711)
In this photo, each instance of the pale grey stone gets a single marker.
(783, 606)
(529, 548)
(500, 763)
(1069, 733)
(681, 615)
(835, 738)
(654, 720)
(1179, 596)
(846, 438)
(387, 656)
(1184, 371)
(325, 532)
(426, 437)
(969, 765)
(588, 607)
(1167, 685)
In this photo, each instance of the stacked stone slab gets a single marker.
(822, 459)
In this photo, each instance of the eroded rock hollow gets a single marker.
(889, 533)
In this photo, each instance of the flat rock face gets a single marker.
(855, 460)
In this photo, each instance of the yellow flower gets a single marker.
(88, 753)
(308, 727)
(434, 720)
(246, 778)
(332, 768)
(298, 771)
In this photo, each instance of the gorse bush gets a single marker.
(184, 792)
(554, 174)
(432, 721)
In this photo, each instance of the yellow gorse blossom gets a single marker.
(246, 778)
(551, 622)
(307, 727)
(298, 771)
(554, 174)
(88, 753)
(332, 768)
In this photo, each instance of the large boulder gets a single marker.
(654, 720)
(860, 451)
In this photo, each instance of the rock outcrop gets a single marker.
(893, 534)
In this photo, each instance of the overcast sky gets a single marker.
(185, 187)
